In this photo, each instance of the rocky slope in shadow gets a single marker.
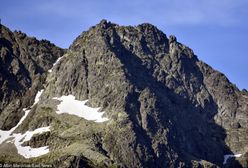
(166, 107)
(23, 67)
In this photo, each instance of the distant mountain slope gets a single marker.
(120, 96)
(23, 66)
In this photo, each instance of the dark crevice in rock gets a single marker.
(86, 74)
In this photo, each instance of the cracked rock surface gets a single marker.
(166, 108)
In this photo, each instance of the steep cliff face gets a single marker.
(162, 106)
(24, 64)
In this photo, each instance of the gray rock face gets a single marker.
(24, 62)
(166, 107)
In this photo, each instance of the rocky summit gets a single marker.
(119, 96)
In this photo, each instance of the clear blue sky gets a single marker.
(217, 30)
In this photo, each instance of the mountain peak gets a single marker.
(158, 105)
(172, 39)
(104, 24)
